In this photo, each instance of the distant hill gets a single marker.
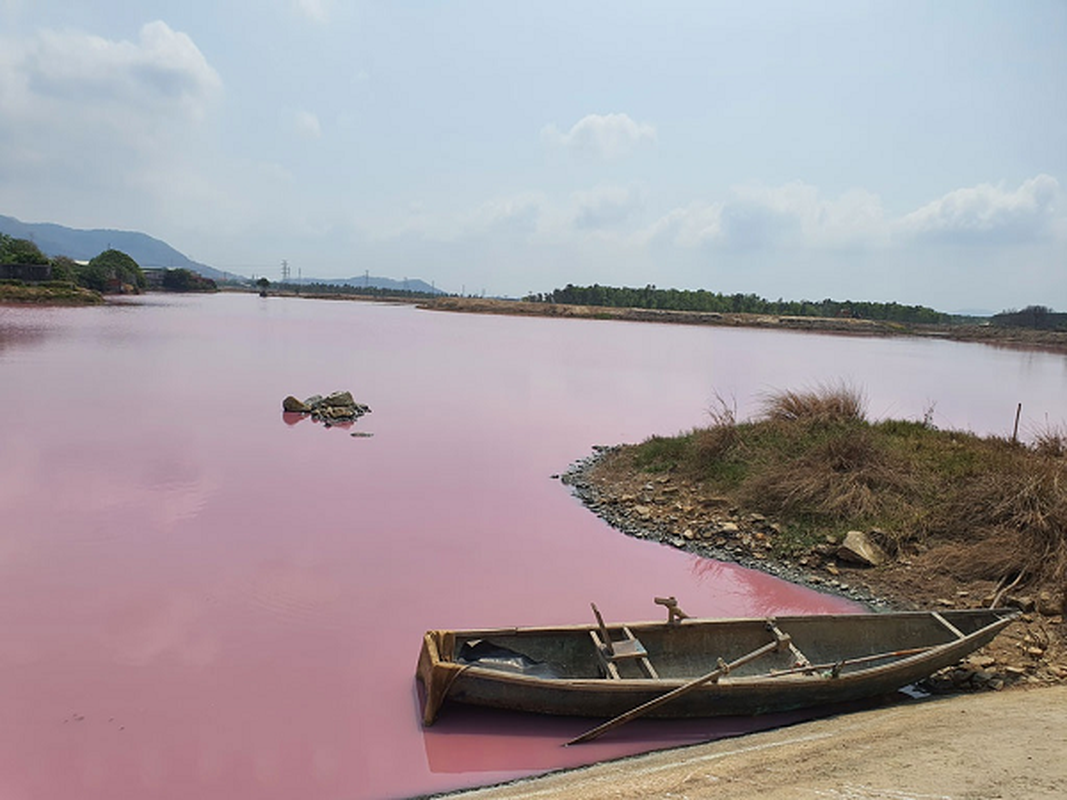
(82, 245)
(372, 281)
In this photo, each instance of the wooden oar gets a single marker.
(685, 688)
(858, 660)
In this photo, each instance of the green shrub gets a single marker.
(109, 271)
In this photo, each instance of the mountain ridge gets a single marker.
(83, 244)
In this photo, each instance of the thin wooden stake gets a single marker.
(911, 651)
(1015, 431)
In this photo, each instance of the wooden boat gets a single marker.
(723, 667)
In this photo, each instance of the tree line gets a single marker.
(716, 302)
(110, 271)
(345, 289)
(1040, 318)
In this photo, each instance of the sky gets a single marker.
(900, 151)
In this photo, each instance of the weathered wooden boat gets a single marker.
(722, 667)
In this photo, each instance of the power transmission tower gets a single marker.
(285, 271)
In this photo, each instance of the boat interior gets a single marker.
(687, 648)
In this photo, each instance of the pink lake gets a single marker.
(202, 600)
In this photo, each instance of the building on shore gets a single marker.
(26, 272)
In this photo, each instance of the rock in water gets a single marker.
(336, 407)
(339, 399)
(292, 404)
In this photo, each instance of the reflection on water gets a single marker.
(233, 607)
(25, 326)
(496, 742)
(24, 336)
(291, 418)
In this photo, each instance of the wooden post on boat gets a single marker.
(781, 640)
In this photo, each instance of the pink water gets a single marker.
(202, 599)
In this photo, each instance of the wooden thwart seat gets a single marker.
(952, 628)
(610, 652)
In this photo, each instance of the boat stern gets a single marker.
(436, 671)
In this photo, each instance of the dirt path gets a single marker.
(994, 745)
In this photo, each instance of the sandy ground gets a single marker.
(1009, 744)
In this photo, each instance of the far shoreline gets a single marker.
(1051, 341)
(1023, 338)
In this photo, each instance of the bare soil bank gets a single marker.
(999, 745)
(1011, 337)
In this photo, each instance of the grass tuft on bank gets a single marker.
(48, 293)
(982, 508)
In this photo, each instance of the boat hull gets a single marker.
(556, 670)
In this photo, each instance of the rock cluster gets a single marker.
(331, 409)
(676, 514)
(974, 674)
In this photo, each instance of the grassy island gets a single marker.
(991, 507)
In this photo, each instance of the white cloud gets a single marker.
(163, 72)
(88, 117)
(796, 214)
(517, 215)
(989, 214)
(315, 10)
(606, 136)
(688, 226)
(526, 217)
(790, 215)
(307, 124)
(605, 207)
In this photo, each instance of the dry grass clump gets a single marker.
(824, 403)
(848, 476)
(843, 478)
(721, 436)
(1010, 522)
(1051, 441)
